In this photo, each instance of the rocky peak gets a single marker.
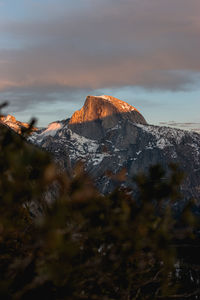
(102, 113)
(106, 107)
(15, 125)
(8, 118)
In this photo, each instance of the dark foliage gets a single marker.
(77, 244)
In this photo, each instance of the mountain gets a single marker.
(111, 137)
(100, 114)
(15, 125)
(115, 142)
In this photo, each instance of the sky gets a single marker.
(53, 53)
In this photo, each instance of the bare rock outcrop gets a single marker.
(15, 125)
(104, 112)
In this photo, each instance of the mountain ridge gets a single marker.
(124, 144)
(115, 143)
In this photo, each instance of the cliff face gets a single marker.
(104, 112)
(100, 107)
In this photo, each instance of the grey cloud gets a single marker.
(185, 125)
(28, 98)
(148, 43)
(46, 103)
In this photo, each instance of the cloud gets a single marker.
(185, 125)
(46, 103)
(147, 43)
(22, 98)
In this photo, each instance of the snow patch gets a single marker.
(164, 136)
(138, 153)
(85, 149)
(98, 158)
(52, 129)
(82, 142)
(124, 106)
(127, 107)
(116, 127)
(104, 97)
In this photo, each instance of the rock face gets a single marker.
(100, 107)
(104, 112)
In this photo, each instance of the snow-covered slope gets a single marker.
(123, 144)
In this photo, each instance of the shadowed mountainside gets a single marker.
(121, 143)
(110, 136)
